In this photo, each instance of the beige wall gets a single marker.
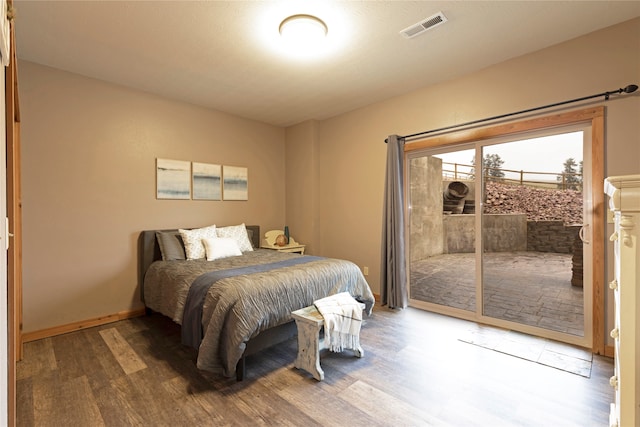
(88, 171)
(302, 189)
(351, 151)
(89, 150)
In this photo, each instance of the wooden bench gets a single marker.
(309, 322)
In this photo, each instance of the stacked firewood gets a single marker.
(538, 204)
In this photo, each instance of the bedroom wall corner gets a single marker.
(302, 184)
(89, 187)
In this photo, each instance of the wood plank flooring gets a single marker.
(415, 372)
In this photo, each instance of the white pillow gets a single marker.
(239, 234)
(192, 239)
(220, 247)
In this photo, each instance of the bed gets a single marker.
(248, 307)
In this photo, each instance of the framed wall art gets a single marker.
(235, 181)
(173, 179)
(206, 181)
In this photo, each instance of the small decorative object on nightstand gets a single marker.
(269, 242)
(282, 240)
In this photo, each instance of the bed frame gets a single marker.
(149, 251)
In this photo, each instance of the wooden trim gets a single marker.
(14, 215)
(609, 351)
(474, 135)
(594, 116)
(14, 202)
(598, 217)
(84, 324)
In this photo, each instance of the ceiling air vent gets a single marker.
(422, 26)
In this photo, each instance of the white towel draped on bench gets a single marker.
(342, 320)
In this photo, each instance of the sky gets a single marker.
(543, 154)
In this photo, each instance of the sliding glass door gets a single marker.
(497, 233)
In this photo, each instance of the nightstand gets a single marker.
(294, 248)
(269, 243)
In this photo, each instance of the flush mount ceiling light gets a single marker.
(303, 29)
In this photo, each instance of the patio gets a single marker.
(532, 288)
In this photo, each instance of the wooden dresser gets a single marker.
(624, 202)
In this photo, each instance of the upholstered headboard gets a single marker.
(149, 250)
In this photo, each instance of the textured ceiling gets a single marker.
(224, 55)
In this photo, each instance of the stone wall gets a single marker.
(551, 236)
(459, 234)
(502, 233)
(426, 234)
(554, 236)
(509, 232)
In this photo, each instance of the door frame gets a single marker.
(593, 117)
(14, 218)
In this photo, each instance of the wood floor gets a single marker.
(415, 371)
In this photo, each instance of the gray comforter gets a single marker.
(237, 308)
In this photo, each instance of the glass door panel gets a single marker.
(442, 230)
(531, 219)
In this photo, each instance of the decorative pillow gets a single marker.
(220, 247)
(192, 239)
(239, 234)
(171, 246)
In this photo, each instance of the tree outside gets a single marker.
(570, 178)
(491, 164)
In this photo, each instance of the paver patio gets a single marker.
(532, 288)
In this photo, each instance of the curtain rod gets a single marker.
(628, 89)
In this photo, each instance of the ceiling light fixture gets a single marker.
(303, 29)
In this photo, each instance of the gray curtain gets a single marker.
(393, 275)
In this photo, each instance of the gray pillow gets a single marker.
(171, 245)
(250, 235)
